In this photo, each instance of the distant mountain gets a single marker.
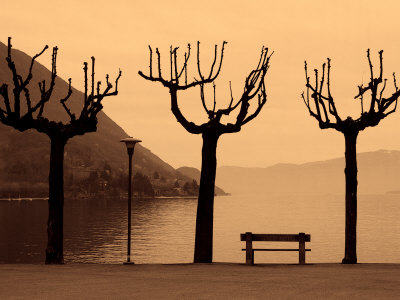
(378, 172)
(98, 157)
(195, 174)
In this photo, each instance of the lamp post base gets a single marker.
(128, 263)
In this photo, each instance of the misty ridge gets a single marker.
(377, 174)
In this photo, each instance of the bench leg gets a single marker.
(249, 249)
(302, 249)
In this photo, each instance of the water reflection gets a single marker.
(95, 231)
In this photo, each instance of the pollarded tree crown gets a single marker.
(322, 106)
(178, 80)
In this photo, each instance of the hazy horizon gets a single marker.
(118, 36)
(301, 163)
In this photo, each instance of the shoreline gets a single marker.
(25, 199)
(121, 198)
(175, 197)
(200, 281)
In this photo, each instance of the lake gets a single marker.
(95, 231)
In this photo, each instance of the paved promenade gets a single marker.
(201, 281)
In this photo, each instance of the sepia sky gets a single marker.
(118, 33)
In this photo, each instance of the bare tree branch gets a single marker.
(254, 85)
(12, 115)
(367, 118)
(63, 100)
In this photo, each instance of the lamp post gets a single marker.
(130, 146)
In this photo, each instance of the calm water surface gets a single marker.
(95, 231)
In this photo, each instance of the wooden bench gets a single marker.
(249, 237)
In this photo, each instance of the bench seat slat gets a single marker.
(277, 249)
(275, 237)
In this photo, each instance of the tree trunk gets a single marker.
(205, 206)
(54, 250)
(350, 256)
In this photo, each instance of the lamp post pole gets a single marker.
(130, 154)
(130, 146)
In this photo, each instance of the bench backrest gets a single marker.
(275, 237)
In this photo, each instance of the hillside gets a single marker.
(378, 172)
(96, 161)
(195, 174)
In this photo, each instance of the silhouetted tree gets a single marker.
(191, 188)
(322, 108)
(142, 185)
(211, 130)
(106, 173)
(195, 186)
(186, 187)
(30, 116)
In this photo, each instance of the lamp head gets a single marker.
(130, 142)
